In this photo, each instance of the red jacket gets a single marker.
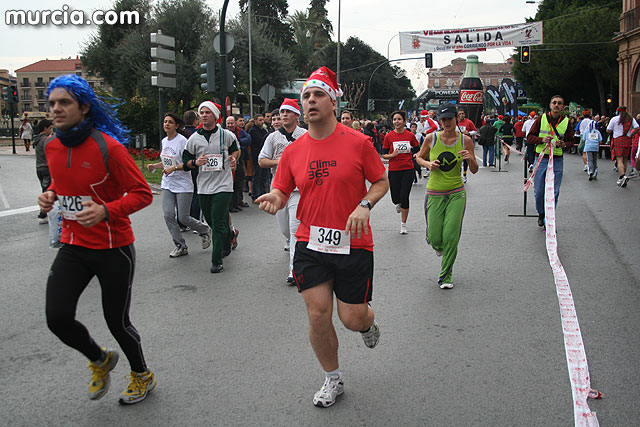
(81, 171)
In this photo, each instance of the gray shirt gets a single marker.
(216, 176)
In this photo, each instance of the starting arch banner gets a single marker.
(470, 39)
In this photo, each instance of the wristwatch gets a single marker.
(365, 204)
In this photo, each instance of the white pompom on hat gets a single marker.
(326, 80)
(291, 105)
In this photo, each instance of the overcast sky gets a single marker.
(373, 21)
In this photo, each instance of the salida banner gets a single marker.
(471, 39)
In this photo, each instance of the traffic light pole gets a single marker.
(13, 128)
(223, 60)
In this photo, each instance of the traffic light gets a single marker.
(14, 94)
(231, 78)
(525, 56)
(428, 60)
(208, 77)
(371, 104)
(5, 93)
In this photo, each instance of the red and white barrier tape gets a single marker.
(573, 345)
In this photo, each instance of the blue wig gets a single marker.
(100, 113)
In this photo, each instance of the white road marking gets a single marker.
(19, 211)
(5, 202)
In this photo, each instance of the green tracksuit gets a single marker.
(445, 204)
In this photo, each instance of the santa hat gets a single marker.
(326, 80)
(291, 105)
(500, 117)
(532, 114)
(424, 113)
(215, 109)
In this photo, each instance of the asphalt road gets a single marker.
(232, 350)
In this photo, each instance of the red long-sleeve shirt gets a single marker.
(81, 171)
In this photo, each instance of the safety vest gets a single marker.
(547, 130)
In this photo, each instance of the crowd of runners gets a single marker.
(321, 182)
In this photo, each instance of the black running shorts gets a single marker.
(352, 274)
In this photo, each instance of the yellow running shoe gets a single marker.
(100, 380)
(140, 386)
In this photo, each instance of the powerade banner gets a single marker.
(470, 39)
(508, 92)
(495, 99)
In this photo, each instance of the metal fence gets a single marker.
(630, 20)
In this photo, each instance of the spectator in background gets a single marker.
(191, 120)
(620, 127)
(244, 140)
(487, 140)
(261, 177)
(519, 133)
(26, 132)
(44, 129)
(276, 121)
(267, 121)
(531, 148)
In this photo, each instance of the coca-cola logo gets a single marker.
(471, 96)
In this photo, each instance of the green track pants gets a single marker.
(444, 215)
(215, 209)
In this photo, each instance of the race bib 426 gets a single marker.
(71, 205)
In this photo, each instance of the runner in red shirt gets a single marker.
(334, 253)
(98, 186)
(520, 134)
(399, 147)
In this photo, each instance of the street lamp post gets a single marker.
(389, 44)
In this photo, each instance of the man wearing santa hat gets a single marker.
(269, 157)
(215, 152)
(330, 165)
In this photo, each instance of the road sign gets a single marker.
(162, 40)
(162, 53)
(163, 67)
(163, 81)
(267, 93)
(229, 43)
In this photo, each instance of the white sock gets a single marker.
(336, 372)
(404, 224)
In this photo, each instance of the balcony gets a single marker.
(25, 84)
(41, 84)
(630, 20)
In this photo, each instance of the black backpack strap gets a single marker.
(102, 144)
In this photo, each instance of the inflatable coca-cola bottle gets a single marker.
(471, 93)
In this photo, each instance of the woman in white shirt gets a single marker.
(26, 133)
(177, 188)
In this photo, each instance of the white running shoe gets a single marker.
(43, 220)
(464, 178)
(619, 181)
(624, 182)
(287, 245)
(585, 168)
(178, 251)
(403, 229)
(446, 285)
(372, 336)
(398, 208)
(206, 239)
(333, 387)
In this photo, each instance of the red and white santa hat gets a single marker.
(214, 107)
(424, 113)
(291, 105)
(326, 80)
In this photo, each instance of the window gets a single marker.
(79, 73)
(40, 94)
(27, 107)
(436, 83)
(487, 82)
(42, 107)
(25, 82)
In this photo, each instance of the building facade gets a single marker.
(33, 81)
(449, 77)
(628, 40)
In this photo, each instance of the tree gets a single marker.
(319, 15)
(386, 84)
(309, 51)
(273, 14)
(581, 70)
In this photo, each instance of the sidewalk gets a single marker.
(7, 148)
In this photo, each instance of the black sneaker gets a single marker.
(540, 220)
(625, 180)
(217, 268)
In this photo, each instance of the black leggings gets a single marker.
(71, 272)
(400, 183)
